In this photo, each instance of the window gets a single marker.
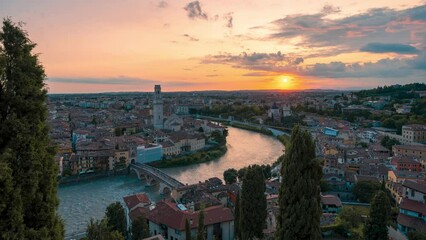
(413, 192)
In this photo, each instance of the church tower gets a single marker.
(157, 108)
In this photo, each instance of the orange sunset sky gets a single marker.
(130, 45)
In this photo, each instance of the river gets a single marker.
(79, 202)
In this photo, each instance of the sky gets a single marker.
(131, 45)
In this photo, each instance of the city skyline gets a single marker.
(111, 46)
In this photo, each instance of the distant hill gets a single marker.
(396, 91)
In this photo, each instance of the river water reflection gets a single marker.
(79, 202)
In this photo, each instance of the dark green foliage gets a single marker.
(252, 203)
(376, 226)
(99, 230)
(299, 199)
(237, 218)
(187, 230)
(116, 218)
(388, 142)
(26, 159)
(241, 173)
(201, 231)
(140, 229)
(118, 131)
(414, 235)
(218, 137)
(324, 185)
(230, 175)
(365, 190)
(350, 218)
(238, 111)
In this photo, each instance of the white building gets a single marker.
(168, 219)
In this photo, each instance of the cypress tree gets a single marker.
(26, 158)
(237, 217)
(187, 230)
(253, 204)
(376, 226)
(299, 198)
(200, 233)
(117, 218)
(140, 229)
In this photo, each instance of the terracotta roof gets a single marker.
(134, 200)
(412, 222)
(168, 214)
(136, 213)
(331, 200)
(419, 185)
(412, 205)
(411, 147)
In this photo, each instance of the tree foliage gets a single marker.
(299, 198)
(415, 235)
(376, 226)
(252, 204)
(140, 229)
(28, 201)
(116, 218)
(237, 215)
(230, 176)
(388, 142)
(201, 231)
(188, 235)
(365, 190)
(99, 230)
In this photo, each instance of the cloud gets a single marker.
(350, 33)
(229, 19)
(330, 9)
(122, 80)
(162, 4)
(194, 11)
(212, 75)
(191, 38)
(267, 64)
(255, 61)
(389, 48)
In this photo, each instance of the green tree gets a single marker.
(365, 190)
(388, 142)
(27, 166)
(415, 235)
(299, 198)
(230, 175)
(188, 235)
(201, 232)
(237, 218)
(241, 173)
(99, 230)
(253, 204)
(116, 218)
(376, 226)
(140, 229)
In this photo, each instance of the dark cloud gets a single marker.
(265, 64)
(330, 9)
(194, 11)
(255, 61)
(162, 4)
(389, 48)
(191, 38)
(229, 19)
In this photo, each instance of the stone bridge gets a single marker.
(154, 176)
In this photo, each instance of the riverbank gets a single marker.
(197, 157)
(91, 176)
(251, 128)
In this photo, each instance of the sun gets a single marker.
(285, 80)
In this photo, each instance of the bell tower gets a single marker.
(157, 111)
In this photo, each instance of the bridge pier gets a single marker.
(155, 178)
